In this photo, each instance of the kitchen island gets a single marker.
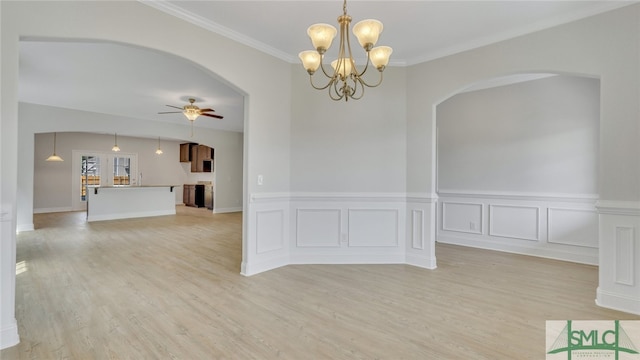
(123, 202)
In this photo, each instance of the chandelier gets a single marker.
(345, 81)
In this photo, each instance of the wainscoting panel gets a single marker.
(417, 229)
(557, 226)
(349, 228)
(624, 255)
(462, 217)
(270, 230)
(373, 227)
(514, 221)
(619, 267)
(318, 227)
(573, 227)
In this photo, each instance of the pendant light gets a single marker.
(54, 156)
(159, 151)
(115, 147)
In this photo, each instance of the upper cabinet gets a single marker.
(185, 152)
(200, 156)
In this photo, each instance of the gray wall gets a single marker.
(534, 137)
(357, 146)
(603, 46)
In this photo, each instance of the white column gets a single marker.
(619, 258)
(8, 325)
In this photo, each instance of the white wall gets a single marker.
(355, 146)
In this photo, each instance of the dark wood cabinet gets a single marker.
(200, 156)
(185, 152)
(193, 195)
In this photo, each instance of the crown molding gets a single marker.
(207, 24)
(524, 30)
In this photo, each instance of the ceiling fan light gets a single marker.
(367, 31)
(321, 36)
(191, 114)
(310, 60)
(380, 56)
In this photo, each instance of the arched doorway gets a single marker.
(517, 166)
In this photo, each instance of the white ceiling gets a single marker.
(134, 82)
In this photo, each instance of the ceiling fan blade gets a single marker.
(213, 116)
(175, 107)
(206, 110)
(170, 112)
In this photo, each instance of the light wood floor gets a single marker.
(169, 288)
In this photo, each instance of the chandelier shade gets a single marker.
(345, 81)
(367, 32)
(380, 56)
(321, 36)
(310, 60)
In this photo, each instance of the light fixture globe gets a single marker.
(310, 60)
(342, 67)
(380, 56)
(191, 112)
(367, 32)
(345, 81)
(321, 36)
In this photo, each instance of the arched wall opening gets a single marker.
(517, 166)
(267, 105)
(229, 162)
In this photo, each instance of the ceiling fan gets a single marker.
(192, 111)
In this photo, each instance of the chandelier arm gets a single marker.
(372, 86)
(355, 88)
(325, 72)
(319, 87)
(366, 66)
(338, 96)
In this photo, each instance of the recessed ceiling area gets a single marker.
(123, 80)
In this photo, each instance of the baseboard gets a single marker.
(521, 250)
(618, 302)
(227, 210)
(344, 259)
(91, 218)
(9, 336)
(253, 268)
(52, 210)
(421, 261)
(24, 227)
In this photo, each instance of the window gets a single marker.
(121, 171)
(90, 175)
